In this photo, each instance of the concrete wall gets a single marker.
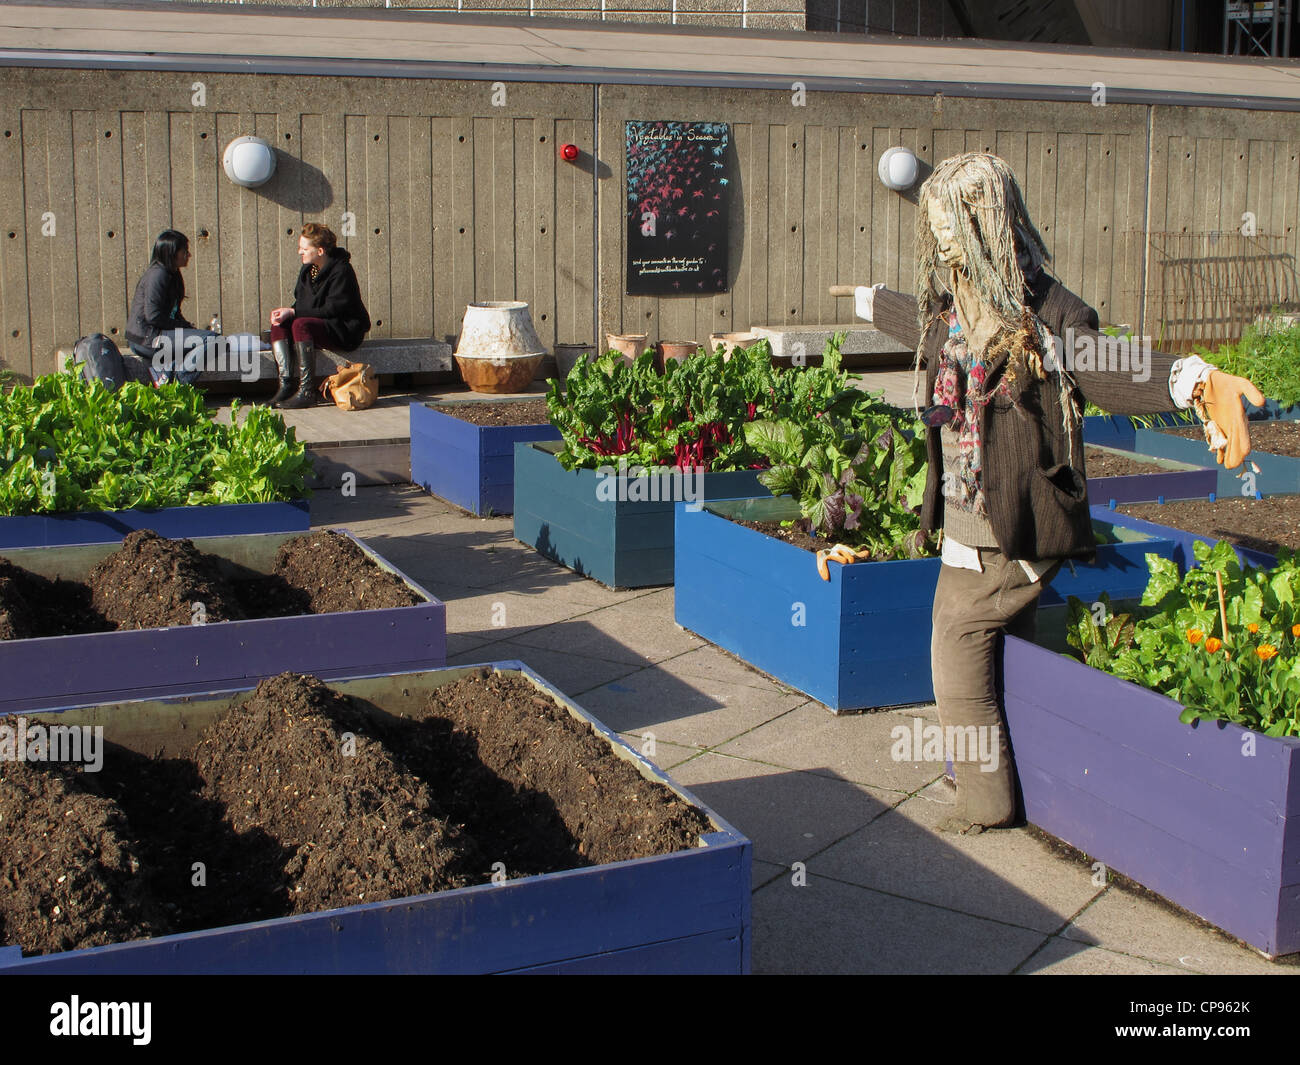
(458, 200)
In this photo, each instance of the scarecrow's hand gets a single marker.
(864, 301)
(1226, 429)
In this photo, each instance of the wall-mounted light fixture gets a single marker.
(898, 169)
(569, 152)
(249, 161)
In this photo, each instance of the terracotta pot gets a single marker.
(629, 345)
(500, 374)
(675, 351)
(731, 341)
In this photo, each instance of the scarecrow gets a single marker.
(997, 335)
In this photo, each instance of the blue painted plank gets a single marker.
(1182, 539)
(176, 523)
(1148, 487)
(1278, 474)
(710, 954)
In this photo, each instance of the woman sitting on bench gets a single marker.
(327, 311)
(156, 330)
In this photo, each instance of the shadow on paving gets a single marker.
(845, 883)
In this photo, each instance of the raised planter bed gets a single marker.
(861, 639)
(77, 670)
(472, 466)
(177, 523)
(1168, 480)
(625, 541)
(683, 912)
(1106, 766)
(1182, 539)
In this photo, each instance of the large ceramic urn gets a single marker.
(499, 350)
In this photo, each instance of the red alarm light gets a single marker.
(568, 152)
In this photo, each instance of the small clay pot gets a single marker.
(629, 345)
(731, 341)
(567, 355)
(674, 351)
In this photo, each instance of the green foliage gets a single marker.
(70, 445)
(1174, 642)
(1269, 358)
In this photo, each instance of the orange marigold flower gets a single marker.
(1213, 644)
(1295, 630)
(1253, 627)
(1265, 651)
(1194, 635)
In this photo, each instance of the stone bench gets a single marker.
(864, 344)
(387, 356)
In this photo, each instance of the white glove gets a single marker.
(864, 301)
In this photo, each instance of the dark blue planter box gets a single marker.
(176, 523)
(470, 465)
(1106, 766)
(685, 912)
(861, 639)
(1278, 474)
(624, 544)
(1181, 538)
(1115, 430)
(58, 671)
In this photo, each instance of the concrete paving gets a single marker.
(850, 874)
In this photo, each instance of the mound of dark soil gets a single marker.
(335, 575)
(151, 582)
(70, 876)
(300, 762)
(32, 606)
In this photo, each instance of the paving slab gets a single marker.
(630, 633)
(1006, 875)
(685, 710)
(1063, 957)
(575, 675)
(789, 815)
(501, 615)
(828, 926)
(713, 663)
(664, 755)
(853, 747)
(765, 872)
(1126, 923)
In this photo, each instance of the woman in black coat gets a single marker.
(327, 312)
(156, 329)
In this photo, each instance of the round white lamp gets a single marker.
(249, 161)
(898, 169)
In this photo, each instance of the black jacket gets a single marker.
(155, 307)
(1033, 478)
(335, 297)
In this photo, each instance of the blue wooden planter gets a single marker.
(176, 523)
(685, 912)
(861, 639)
(59, 671)
(1278, 474)
(470, 465)
(1181, 538)
(624, 542)
(1175, 480)
(1106, 766)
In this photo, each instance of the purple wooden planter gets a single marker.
(1185, 810)
(58, 671)
(1174, 480)
(684, 912)
(176, 523)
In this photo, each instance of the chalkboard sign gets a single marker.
(678, 192)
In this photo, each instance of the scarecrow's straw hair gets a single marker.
(980, 194)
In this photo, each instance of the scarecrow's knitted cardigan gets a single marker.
(1033, 475)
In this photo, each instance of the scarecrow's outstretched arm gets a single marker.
(891, 312)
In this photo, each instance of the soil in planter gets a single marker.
(791, 535)
(1106, 464)
(151, 582)
(1273, 437)
(1260, 524)
(33, 606)
(334, 575)
(286, 821)
(70, 875)
(522, 412)
(539, 790)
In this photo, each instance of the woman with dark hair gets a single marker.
(156, 330)
(327, 311)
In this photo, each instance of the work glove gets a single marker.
(1219, 407)
(864, 301)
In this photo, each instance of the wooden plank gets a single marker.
(374, 249)
(15, 318)
(407, 267)
(84, 215)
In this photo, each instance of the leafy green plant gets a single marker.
(71, 445)
(1269, 357)
(1246, 671)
